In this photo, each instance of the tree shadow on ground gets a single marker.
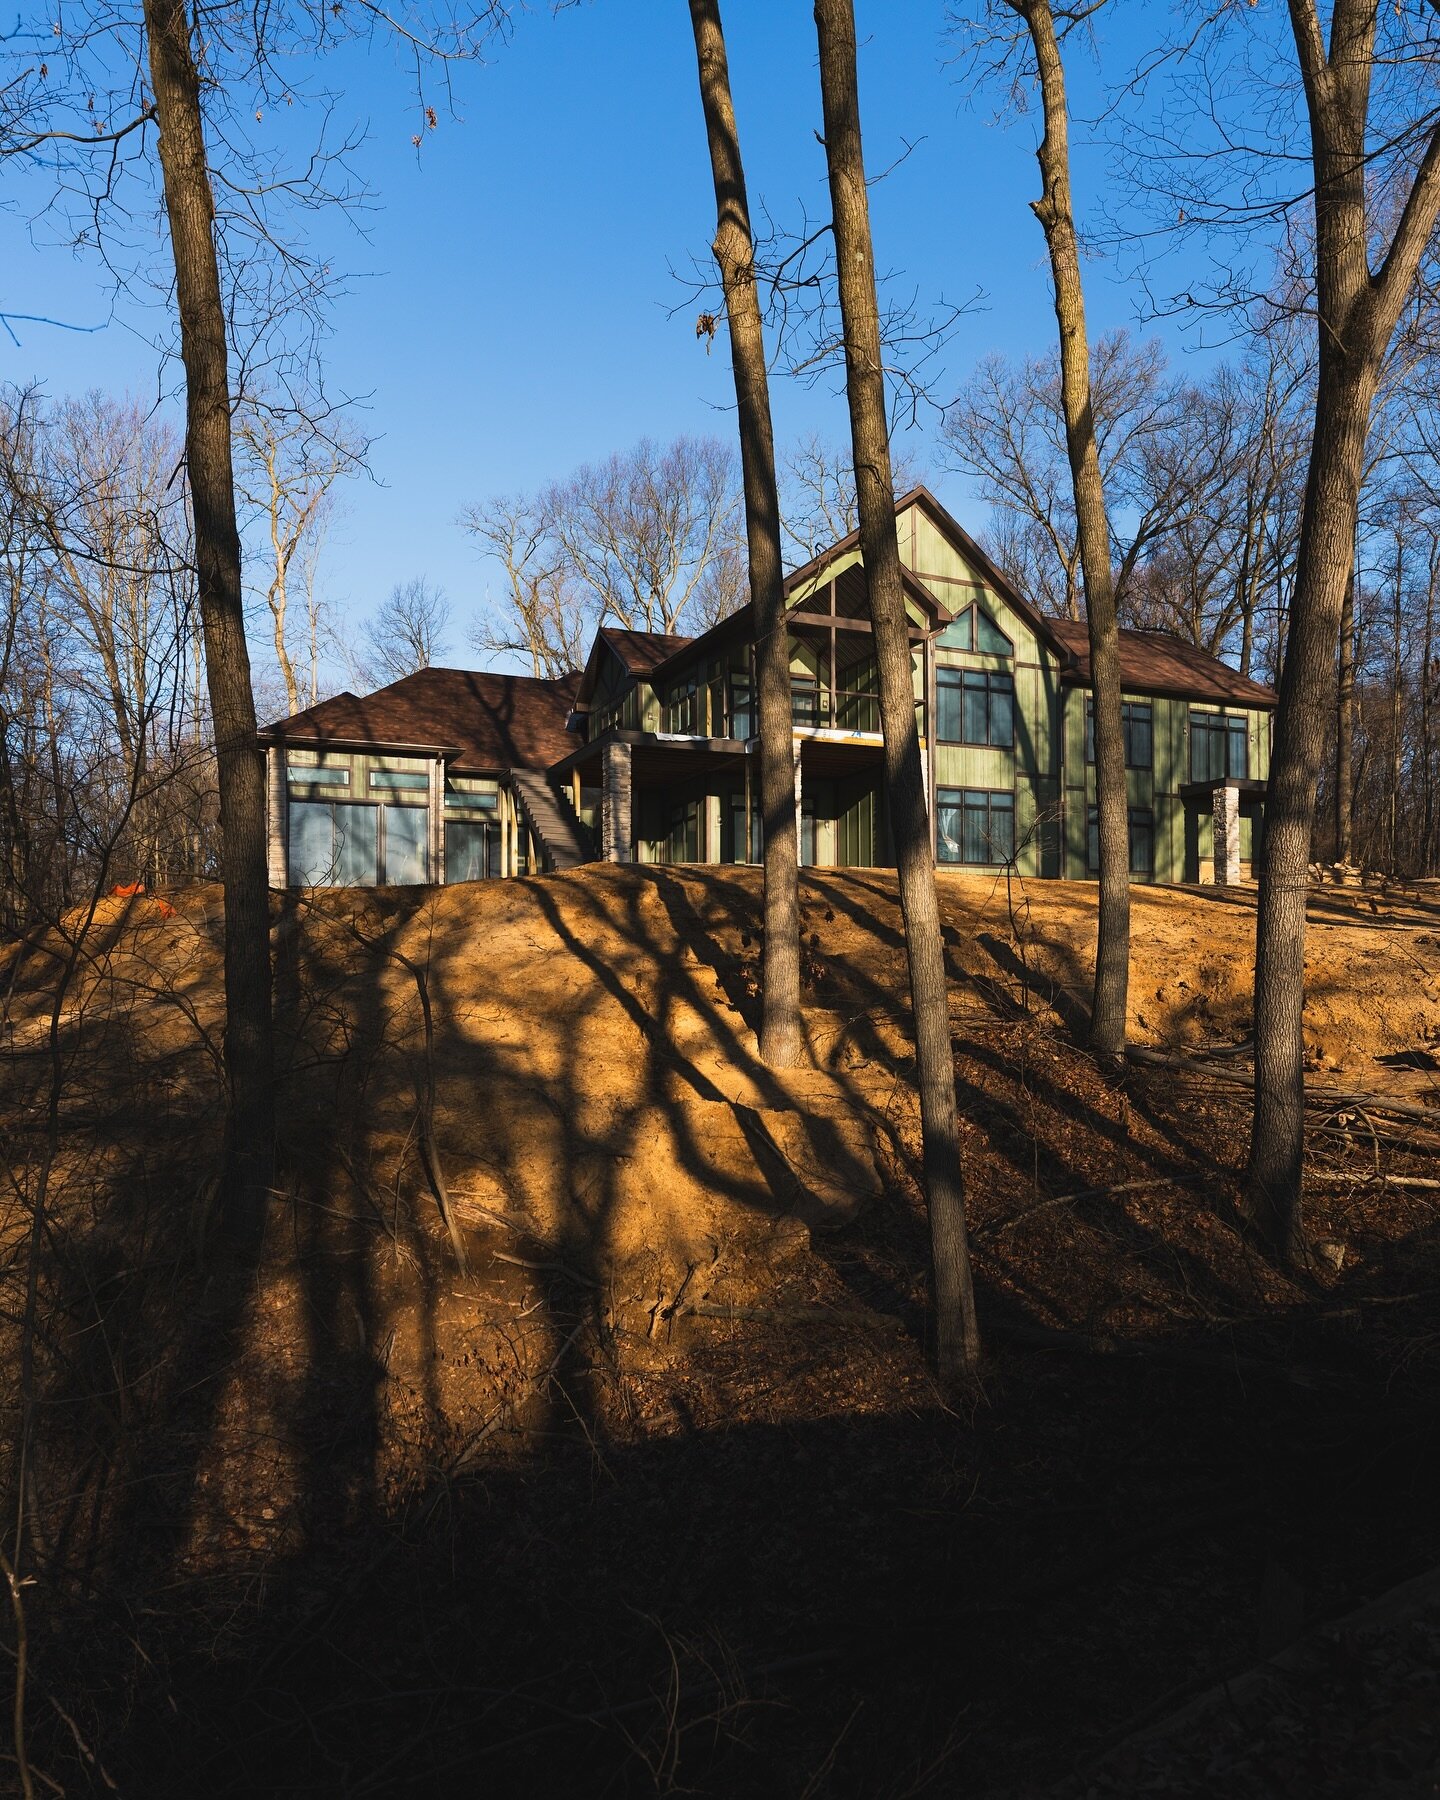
(735, 1557)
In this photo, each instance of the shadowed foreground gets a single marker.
(659, 1496)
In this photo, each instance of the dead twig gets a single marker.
(1331, 1099)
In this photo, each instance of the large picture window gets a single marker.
(406, 857)
(1219, 747)
(974, 825)
(1137, 722)
(975, 706)
(1142, 840)
(333, 843)
(339, 843)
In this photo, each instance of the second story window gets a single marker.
(1219, 747)
(804, 700)
(742, 714)
(1137, 721)
(682, 709)
(975, 706)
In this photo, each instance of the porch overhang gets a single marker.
(658, 756)
(1205, 790)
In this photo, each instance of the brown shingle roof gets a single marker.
(493, 721)
(1154, 662)
(642, 651)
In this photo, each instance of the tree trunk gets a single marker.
(190, 211)
(1426, 863)
(780, 1037)
(1054, 210)
(1397, 710)
(1345, 728)
(1327, 535)
(957, 1331)
(1357, 313)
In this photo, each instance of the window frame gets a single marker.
(399, 781)
(954, 678)
(970, 618)
(997, 800)
(1127, 724)
(1134, 816)
(1230, 728)
(317, 775)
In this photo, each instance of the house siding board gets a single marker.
(973, 766)
(955, 582)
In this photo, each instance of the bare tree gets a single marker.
(641, 531)
(190, 210)
(1055, 211)
(1007, 428)
(734, 250)
(818, 501)
(1364, 271)
(957, 1328)
(544, 617)
(289, 465)
(407, 631)
(650, 540)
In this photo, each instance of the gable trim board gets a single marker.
(679, 714)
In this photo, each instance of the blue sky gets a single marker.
(510, 313)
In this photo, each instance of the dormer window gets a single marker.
(974, 630)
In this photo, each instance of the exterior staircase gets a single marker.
(562, 839)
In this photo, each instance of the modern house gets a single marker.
(648, 754)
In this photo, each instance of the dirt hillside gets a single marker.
(675, 1413)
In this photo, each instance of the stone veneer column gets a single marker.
(1227, 834)
(799, 811)
(437, 819)
(617, 829)
(275, 821)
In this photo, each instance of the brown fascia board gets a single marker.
(277, 734)
(1267, 701)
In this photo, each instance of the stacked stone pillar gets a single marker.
(275, 821)
(617, 830)
(437, 819)
(1226, 802)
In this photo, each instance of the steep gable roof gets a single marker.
(642, 651)
(489, 722)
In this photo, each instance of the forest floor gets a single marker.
(657, 1495)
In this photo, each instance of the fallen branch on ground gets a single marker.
(1329, 1098)
(1367, 1178)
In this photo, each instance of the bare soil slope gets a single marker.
(657, 1495)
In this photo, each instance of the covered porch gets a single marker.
(655, 798)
